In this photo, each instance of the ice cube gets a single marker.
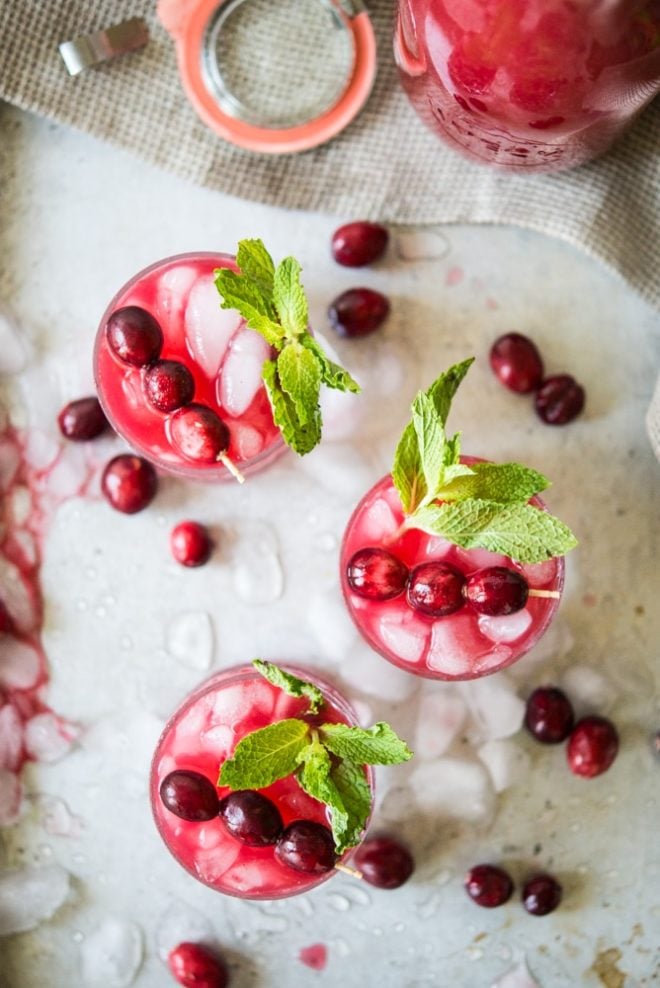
(247, 441)
(189, 638)
(507, 763)
(173, 289)
(11, 795)
(401, 631)
(57, 818)
(516, 977)
(218, 741)
(180, 923)
(454, 788)
(208, 327)
(10, 461)
(505, 629)
(11, 737)
(211, 835)
(41, 449)
(48, 737)
(14, 346)
(540, 574)
(249, 876)
(190, 726)
(437, 548)
(475, 559)
(28, 896)
(378, 522)
(211, 864)
(233, 704)
(440, 717)
(331, 625)
(240, 374)
(20, 664)
(455, 646)
(111, 954)
(589, 690)
(421, 244)
(18, 597)
(257, 571)
(495, 708)
(367, 672)
(131, 385)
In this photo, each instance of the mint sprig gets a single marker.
(327, 759)
(273, 303)
(484, 505)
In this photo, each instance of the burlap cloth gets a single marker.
(384, 166)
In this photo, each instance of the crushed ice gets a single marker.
(189, 638)
(111, 954)
(257, 571)
(28, 896)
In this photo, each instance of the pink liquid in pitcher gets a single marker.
(537, 85)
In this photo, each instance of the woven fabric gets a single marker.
(385, 165)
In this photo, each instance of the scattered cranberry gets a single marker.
(194, 966)
(497, 591)
(358, 312)
(436, 589)
(191, 544)
(168, 385)
(129, 483)
(376, 574)
(6, 621)
(199, 433)
(541, 895)
(306, 846)
(251, 818)
(488, 885)
(82, 420)
(357, 244)
(559, 400)
(384, 862)
(134, 336)
(549, 715)
(517, 362)
(189, 795)
(592, 746)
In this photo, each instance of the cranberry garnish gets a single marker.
(251, 818)
(497, 591)
(198, 433)
(306, 846)
(384, 862)
(82, 420)
(559, 400)
(488, 885)
(134, 336)
(541, 895)
(193, 966)
(189, 795)
(191, 544)
(376, 574)
(168, 385)
(358, 312)
(549, 715)
(436, 589)
(129, 483)
(359, 243)
(592, 746)
(517, 362)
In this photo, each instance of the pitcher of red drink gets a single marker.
(535, 85)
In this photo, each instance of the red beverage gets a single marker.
(463, 644)
(538, 85)
(200, 736)
(224, 357)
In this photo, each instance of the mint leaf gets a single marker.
(243, 295)
(300, 436)
(520, 531)
(331, 373)
(353, 788)
(290, 684)
(407, 472)
(300, 377)
(444, 388)
(256, 264)
(431, 440)
(264, 756)
(502, 482)
(314, 777)
(289, 298)
(379, 745)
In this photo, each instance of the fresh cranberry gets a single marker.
(549, 715)
(194, 966)
(189, 795)
(559, 400)
(6, 621)
(436, 589)
(82, 419)
(358, 312)
(356, 244)
(306, 846)
(541, 895)
(129, 483)
(488, 885)
(191, 544)
(134, 336)
(168, 385)
(198, 433)
(517, 362)
(376, 574)
(251, 818)
(384, 862)
(592, 746)
(496, 591)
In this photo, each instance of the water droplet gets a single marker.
(429, 907)
(257, 571)
(189, 638)
(90, 573)
(45, 851)
(474, 953)
(340, 947)
(79, 858)
(359, 895)
(77, 936)
(574, 828)
(339, 902)
(377, 931)
(305, 907)
(420, 245)
(126, 643)
(399, 927)
(82, 605)
(100, 611)
(326, 542)
(582, 870)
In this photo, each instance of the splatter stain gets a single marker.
(492, 304)
(606, 967)
(589, 600)
(454, 276)
(314, 956)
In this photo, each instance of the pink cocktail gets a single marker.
(463, 644)
(201, 735)
(537, 85)
(222, 355)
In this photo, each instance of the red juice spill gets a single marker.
(314, 956)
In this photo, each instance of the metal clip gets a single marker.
(92, 49)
